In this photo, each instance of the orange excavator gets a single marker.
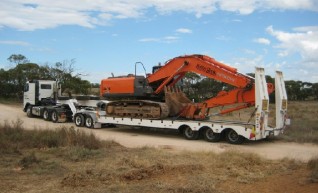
(156, 96)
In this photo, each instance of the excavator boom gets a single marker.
(176, 68)
(200, 64)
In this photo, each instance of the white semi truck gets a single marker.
(42, 98)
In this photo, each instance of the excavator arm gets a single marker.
(200, 64)
(176, 68)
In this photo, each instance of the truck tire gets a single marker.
(54, 117)
(46, 115)
(189, 134)
(210, 136)
(79, 120)
(233, 137)
(29, 111)
(89, 122)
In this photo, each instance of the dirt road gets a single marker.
(169, 140)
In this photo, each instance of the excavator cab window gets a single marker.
(141, 82)
(156, 68)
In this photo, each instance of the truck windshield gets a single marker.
(26, 87)
(46, 86)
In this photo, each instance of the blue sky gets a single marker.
(109, 36)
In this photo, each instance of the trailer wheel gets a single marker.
(54, 117)
(29, 111)
(89, 123)
(189, 134)
(79, 120)
(46, 115)
(210, 136)
(233, 137)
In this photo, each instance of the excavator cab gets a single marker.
(156, 68)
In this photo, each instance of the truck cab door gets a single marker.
(29, 94)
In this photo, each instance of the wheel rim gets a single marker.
(54, 116)
(78, 120)
(189, 132)
(29, 111)
(45, 115)
(210, 134)
(233, 136)
(89, 122)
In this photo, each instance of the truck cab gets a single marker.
(42, 98)
(39, 92)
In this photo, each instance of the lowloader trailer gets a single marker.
(235, 132)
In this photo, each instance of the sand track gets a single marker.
(269, 149)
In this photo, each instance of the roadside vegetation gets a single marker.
(10, 101)
(71, 160)
(304, 122)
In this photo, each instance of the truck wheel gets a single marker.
(89, 123)
(54, 117)
(233, 137)
(46, 115)
(189, 134)
(79, 120)
(210, 136)
(29, 111)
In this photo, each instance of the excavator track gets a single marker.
(137, 109)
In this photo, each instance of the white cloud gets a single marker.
(247, 65)
(303, 40)
(166, 39)
(243, 7)
(14, 42)
(292, 4)
(306, 28)
(184, 31)
(170, 39)
(262, 41)
(30, 15)
(149, 40)
(198, 8)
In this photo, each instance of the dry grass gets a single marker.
(304, 122)
(13, 138)
(313, 166)
(68, 160)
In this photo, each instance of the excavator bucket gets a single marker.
(176, 100)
